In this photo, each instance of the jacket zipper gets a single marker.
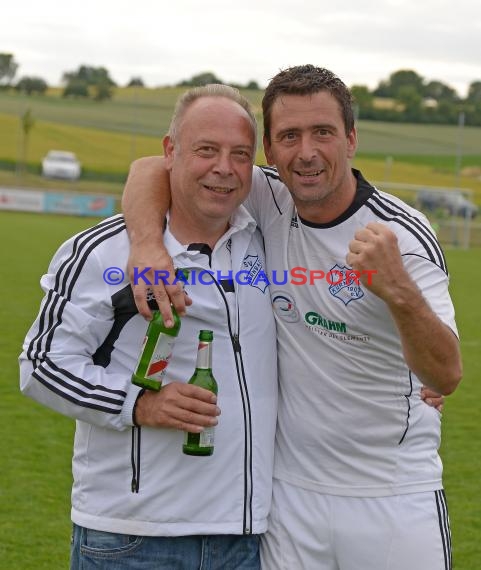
(135, 458)
(246, 407)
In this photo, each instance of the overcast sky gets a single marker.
(163, 42)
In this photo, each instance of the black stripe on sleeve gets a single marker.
(271, 173)
(65, 280)
(74, 400)
(389, 211)
(100, 387)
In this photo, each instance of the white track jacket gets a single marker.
(78, 358)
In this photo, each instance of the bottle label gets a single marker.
(204, 355)
(160, 357)
(206, 437)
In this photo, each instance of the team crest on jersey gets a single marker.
(344, 285)
(256, 276)
(285, 307)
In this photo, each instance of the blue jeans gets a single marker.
(93, 549)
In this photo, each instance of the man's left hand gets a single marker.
(432, 398)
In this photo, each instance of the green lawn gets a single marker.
(461, 425)
(36, 443)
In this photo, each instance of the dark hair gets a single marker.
(307, 80)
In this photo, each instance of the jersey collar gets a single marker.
(364, 190)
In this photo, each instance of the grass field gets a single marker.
(36, 443)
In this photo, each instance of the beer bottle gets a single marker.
(202, 443)
(157, 348)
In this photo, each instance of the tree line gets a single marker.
(414, 99)
(89, 82)
(404, 96)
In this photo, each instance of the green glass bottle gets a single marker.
(157, 348)
(202, 443)
(156, 352)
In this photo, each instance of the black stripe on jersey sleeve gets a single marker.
(57, 371)
(41, 323)
(74, 279)
(50, 380)
(271, 173)
(53, 310)
(64, 281)
(82, 260)
(394, 212)
(67, 385)
(422, 226)
(79, 244)
(70, 398)
(51, 303)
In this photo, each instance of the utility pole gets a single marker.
(459, 149)
(26, 124)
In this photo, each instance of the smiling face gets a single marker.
(309, 146)
(210, 163)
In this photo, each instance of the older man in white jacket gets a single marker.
(137, 501)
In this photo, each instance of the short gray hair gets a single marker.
(210, 90)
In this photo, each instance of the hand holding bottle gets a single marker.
(179, 406)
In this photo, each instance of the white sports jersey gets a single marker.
(350, 419)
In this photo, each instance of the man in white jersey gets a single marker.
(360, 290)
(137, 501)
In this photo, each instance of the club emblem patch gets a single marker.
(256, 276)
(344, 284)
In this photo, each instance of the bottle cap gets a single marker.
(206, 335)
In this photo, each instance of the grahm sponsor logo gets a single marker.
(330, 328)
(318, 320)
